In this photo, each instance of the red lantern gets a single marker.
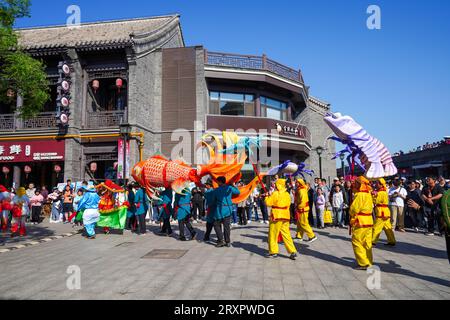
(95, 85)
(5, 170)
(119, 84)
(27, 169)
(57, 168)
(93, 166)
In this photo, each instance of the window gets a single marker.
(275, 109)
(232, 104)
(108, 97)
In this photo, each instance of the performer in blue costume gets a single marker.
(221, 198)
(166, 211)
(89, 203)
(183, 213)
(141, 203)
(209, 196)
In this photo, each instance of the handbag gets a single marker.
(327, 217)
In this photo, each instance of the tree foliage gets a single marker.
(19, 71)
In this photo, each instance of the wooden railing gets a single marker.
(253, 63)
(105, 119)
(12, 122)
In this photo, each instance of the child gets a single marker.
(76, 201)
(56, 207)
(20, 211)
(36, 207)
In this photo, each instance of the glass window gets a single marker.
(230, 108)
(272, 108)
(233, 104)
(225, 96)
(249, 98)
(214, 95)
(274, 113)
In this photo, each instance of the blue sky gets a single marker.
(394, 81)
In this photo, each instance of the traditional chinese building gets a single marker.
(136, 77)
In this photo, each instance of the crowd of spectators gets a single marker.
(426, 146)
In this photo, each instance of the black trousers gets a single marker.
(141, 225)
(226, 223)
(292, 211)
(311, 214)
(209, 227)
(166, 228)
(197, 209)
(186, 222)
(36, 214)
(242, 216)
(264, 211)
(130, 223)
(433, 215)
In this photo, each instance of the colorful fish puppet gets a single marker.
(375, 157)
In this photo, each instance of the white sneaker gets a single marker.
(260, 221)
(267, 222)
(248, 222)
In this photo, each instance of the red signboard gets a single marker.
(31, 151)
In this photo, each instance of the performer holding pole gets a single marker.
(183, 213)
(383, 214)
(222, 198)
(361, 222)
(302, 212)
(166, 211)
(280, 218)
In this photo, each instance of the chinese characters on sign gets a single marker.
(121, 155)
(297, 132)
(32, 151)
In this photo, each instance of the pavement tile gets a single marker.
(416, 269)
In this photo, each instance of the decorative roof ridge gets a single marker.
(319, 102)
(91, 23)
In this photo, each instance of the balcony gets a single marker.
(105, 119)
(42, 121)
(249, 62)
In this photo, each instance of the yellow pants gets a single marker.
(386, 226)
(304, 227)
(275, 227)
(362, 246)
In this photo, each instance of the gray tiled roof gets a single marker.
(90, 34)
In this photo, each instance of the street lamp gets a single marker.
(319, 151)
(342, 157)
(125, 131)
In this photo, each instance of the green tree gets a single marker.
(18, 70)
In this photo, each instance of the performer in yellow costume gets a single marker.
(280, 218)
(361, 222)
(383, 214)
(302, 212)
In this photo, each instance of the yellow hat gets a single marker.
(365, 184)
(21, 191)
(382, 181)
(281, 184)
(301, 182)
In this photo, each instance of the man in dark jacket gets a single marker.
(414, 205)
(197, 203)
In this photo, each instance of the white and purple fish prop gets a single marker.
(379, 163)
(289, 168)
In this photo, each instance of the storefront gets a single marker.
(38, 161)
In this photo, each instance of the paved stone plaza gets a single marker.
(113, 267)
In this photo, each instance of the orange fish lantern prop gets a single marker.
(158, 172)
